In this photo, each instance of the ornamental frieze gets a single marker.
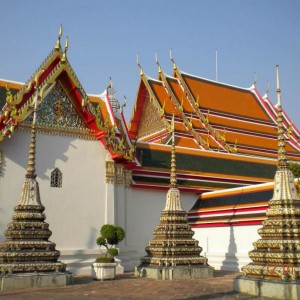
(116, 174)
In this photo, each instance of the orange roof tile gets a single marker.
(228, 99)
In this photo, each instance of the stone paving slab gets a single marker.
(126, 286)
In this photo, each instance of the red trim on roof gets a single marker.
(222, 224)
(234, 211)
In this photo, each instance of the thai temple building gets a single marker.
(94, 168)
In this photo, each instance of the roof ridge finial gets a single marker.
(112, 96)
(57, 45)
(282, 159)
(124, 104)
(255, 78)
(173, 180)
(64, 57)
(139, 65)
(172, 60)
(156, 60)
(265, 96)
(111, 83)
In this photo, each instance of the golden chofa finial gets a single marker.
(64, 57)
(139, 65)
(156, 60)
(172, 60)
(57, 45)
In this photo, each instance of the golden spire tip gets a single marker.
(57, 45)
(64, 57)
(282, 159)
(67, 44)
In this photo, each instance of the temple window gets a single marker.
(56, 178)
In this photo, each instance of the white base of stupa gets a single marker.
(33, 280)
(268, 288)
(175, 273)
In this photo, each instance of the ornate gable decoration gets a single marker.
(57, 111)
(150, 120)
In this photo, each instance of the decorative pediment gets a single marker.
(57, 112)
(150, 121)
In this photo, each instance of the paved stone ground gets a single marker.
(126, 286)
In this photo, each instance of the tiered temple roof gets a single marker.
(225, 135)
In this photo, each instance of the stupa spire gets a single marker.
(173, 199)
(173, 180)
(32, 147)
(282, 159)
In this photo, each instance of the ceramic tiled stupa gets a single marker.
(173, 253)
(275, 267)
(27, 257)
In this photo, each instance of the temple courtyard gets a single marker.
(126, 286)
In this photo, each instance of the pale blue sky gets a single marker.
(105, 37)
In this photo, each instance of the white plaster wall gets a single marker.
(227, 247)
(76, 211)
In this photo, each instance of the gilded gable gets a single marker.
(150, 121)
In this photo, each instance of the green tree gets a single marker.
(110, 236)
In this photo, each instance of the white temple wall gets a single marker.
(76, 211)
(227, 247)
